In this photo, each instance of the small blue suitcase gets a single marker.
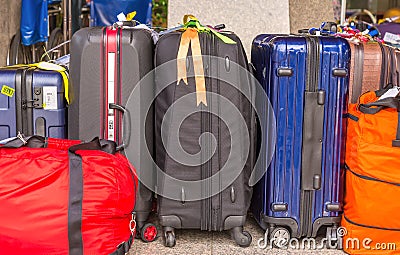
(306, 80)
(32, 102)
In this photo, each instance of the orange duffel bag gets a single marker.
(372, 197)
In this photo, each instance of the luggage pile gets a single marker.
(336, 109)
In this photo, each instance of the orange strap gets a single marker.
(190, 38)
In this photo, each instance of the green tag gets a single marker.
(5, 90)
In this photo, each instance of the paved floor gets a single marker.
(198, 242)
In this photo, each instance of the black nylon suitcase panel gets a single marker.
(206, 214)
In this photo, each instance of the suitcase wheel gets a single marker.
(169, 237)
(242, 238)
(148, 233)
(280, 237)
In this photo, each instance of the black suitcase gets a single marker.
(219, 203)
(106, 65)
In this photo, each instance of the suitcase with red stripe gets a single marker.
(106, 65)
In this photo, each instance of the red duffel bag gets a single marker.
(65, 197)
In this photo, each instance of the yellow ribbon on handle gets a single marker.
(190, 38)
(49, 67)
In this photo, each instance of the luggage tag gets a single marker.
(393, 92)
(8, 91)
(50, 101)
(391, 38)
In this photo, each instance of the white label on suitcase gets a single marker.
(110, 91)
(50, 98)
(393, 92)
(391, 38)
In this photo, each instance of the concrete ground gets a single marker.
(198, 242)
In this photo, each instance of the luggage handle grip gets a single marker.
(375, 107)
(60, 144)
(127, 23)
(127, 123)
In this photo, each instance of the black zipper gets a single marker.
(312, 62)
(313, 72)
(370, 227)
(19, 76)
(105, 107)
(203, 167)
(218, 212)
(369, 178)
(29, 102)
(209, 129)
(118, 92)
(24, 104)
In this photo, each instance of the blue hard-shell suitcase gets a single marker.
(306, 81)
(32, 102)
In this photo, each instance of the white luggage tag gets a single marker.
(50, 100)
(391, 38)
(393, 92)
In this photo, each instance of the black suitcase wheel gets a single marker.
(169, 237)
(280, 237)
(148, 233)
(242, 238)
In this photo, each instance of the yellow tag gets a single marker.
(5, 90)
(130, 16)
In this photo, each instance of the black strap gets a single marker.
(396, 143)
(381, 92)
(375, 107)
(31, 142)
(367, 226)
(75, 204)
(96, 144)
(76, 192)
(41, 142)
(124, 247)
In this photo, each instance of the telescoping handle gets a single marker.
(127, 124)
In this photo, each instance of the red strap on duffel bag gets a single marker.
(65, 197)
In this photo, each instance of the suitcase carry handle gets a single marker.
(127, 23)
(127, 123)
(375, 107)
(61, 144)
(94, 145)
